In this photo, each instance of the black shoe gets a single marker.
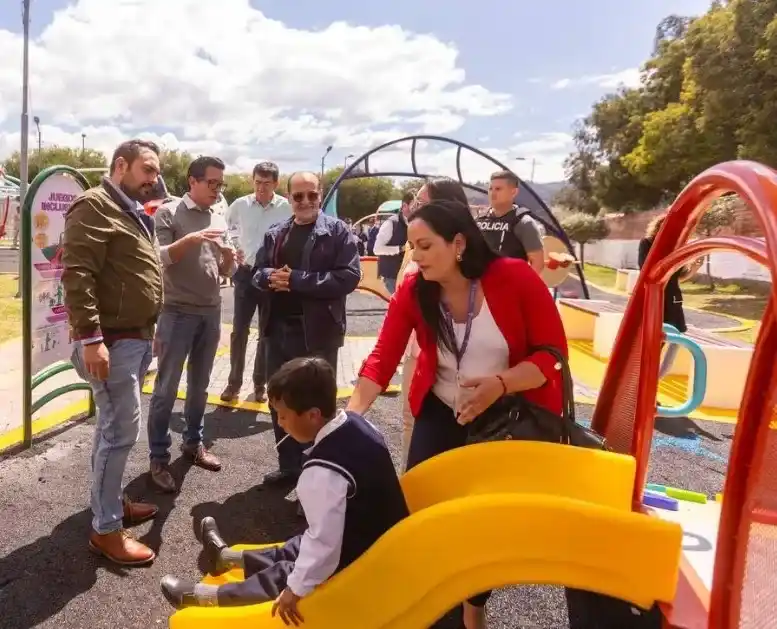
(178, 593)
(212, 544)
(280, 476)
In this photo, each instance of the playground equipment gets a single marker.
(572, 503)
(556, 241)
(699, 384)
(730, 584)
(712, 567)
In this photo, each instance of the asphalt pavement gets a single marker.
(49, 579)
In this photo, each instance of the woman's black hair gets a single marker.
(446, 189)
(447, 218)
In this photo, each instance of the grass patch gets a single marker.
(602, 276)
(745, 299)
(10, 308)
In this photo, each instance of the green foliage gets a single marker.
(584, 228)
(357, 198)
(238, 185)
(56, 156)
(707, 95)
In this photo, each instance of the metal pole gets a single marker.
(533, 164)
(26, 238)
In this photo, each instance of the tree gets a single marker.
(707, 94)
(358, 198)
(720, 214)
(174, 165)
(58, 156)
(584, 228)
(238, 185)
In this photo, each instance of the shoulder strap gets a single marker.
(567, 384)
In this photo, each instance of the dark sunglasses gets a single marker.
(299, 197)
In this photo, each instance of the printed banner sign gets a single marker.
(50, 329)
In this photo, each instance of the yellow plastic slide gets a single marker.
(486, 533)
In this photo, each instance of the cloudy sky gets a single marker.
(282, 79)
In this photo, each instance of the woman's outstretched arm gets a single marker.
(379, 367)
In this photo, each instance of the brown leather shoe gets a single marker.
(121, 548)
(230, 394)
(260, 394)
(138, 512)
(201, 457)
(162, 478)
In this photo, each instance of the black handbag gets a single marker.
(514, 417)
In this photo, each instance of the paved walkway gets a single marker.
(363, 312)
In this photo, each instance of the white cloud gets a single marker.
(627, 78)
(223, 78)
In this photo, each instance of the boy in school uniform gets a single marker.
(348, 489)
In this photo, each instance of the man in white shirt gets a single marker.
(390, 244)
(248, 219)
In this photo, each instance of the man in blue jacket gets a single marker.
(308, 264)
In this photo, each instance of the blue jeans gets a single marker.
(118, 426)
(391, 284)
(180, 336)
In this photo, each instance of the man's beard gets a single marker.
(141, 193)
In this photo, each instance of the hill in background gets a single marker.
(546, 191)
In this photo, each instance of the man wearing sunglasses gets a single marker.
(307, 266)
(195, 254)
(249, 217)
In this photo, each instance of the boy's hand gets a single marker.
(286, 606)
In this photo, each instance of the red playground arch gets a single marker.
(742, 593)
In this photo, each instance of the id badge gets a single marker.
(460, 397)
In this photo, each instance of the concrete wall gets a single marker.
(622, 254)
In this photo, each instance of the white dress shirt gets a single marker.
(248, 221)
(323, 494)
(380, 248)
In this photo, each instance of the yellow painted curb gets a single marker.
(250, 405)
(47, 422)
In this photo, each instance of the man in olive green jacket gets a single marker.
(113, 294)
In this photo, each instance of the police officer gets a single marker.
(510, 230)
(390, 244)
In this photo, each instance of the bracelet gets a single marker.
(504, 384)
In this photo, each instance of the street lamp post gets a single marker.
(36, 120)
(323, 159)
(533, 165)
(24, 164)
(345, 162)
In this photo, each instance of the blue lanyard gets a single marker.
(459, 351)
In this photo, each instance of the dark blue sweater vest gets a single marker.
(375, 500)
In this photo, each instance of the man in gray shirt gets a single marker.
(195, 254)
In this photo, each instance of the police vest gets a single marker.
(499, 232)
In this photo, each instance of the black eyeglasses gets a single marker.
(299, 197)
(217, 185)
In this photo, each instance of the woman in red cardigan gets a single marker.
(476, 317)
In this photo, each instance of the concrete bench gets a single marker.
(728, 362)
(626, 279)
(592, 320)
